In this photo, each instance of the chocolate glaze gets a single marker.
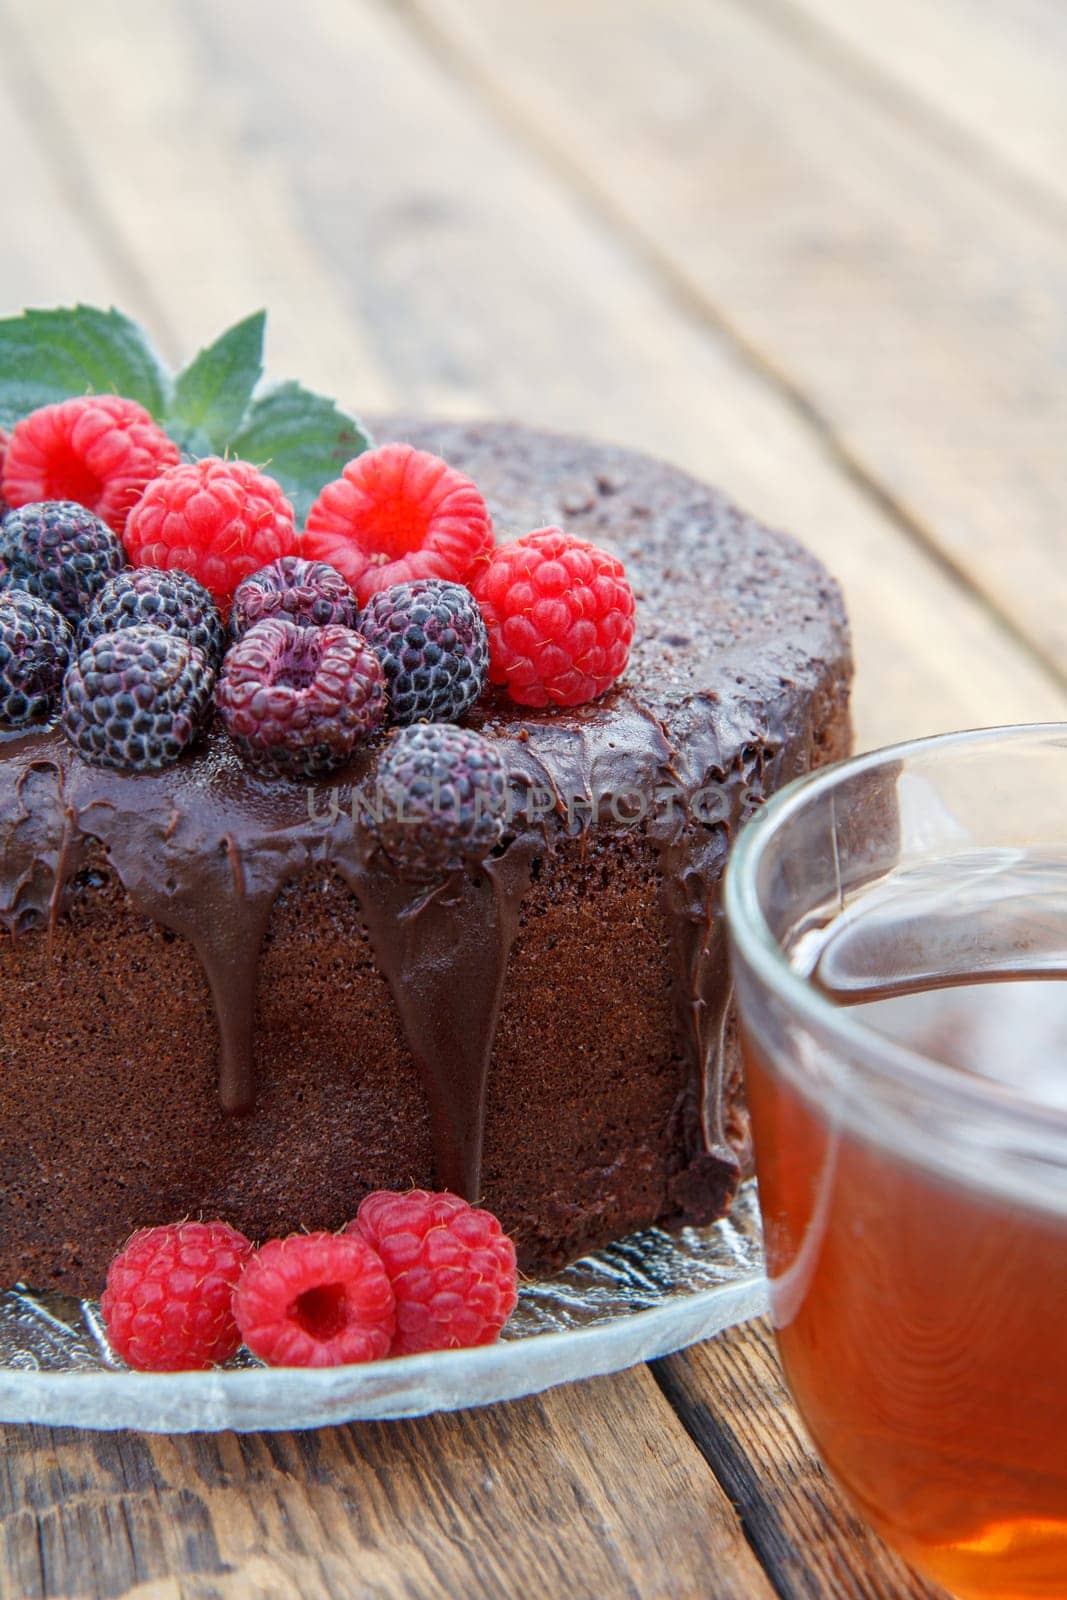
(738, 681)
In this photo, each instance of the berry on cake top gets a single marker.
(430, 637)
(152, 514)
(560, 615)
(172, 601)
(443, 794)
(59, 551)
(397, 513)
(310, 593)
(100, 450)
(36, 645)
(218, 520)
(134, 700)
(298, 700)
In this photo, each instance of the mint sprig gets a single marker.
(52, 355)
(217, 405)
(300, 438)
(215, 390)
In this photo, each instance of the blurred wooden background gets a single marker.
(813, 250)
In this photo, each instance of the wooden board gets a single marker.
(915, 310)
(128, 112)
(47, 257)
(590, 1491)
(984, 77)
(731, 1397)
(352, 186)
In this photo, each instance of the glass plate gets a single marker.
(645, 1296)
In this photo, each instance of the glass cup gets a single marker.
(898, 927)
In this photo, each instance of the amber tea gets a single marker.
(921, 1310)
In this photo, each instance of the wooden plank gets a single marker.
(914, 308)
(986, 75)
(412, 227)
(190, 209)
(588, 1491)
(48, 256)
(732, 1398)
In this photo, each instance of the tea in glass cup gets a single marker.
(899, 933)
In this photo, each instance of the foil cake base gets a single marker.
(642, 1297)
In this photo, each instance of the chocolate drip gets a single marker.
(444, 952)
(229, 954)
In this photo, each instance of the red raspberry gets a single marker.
(451, 1266)
(395, 514)
(315, 1300)
(168, 1302)
(217, 520)
(560, 616)
(3, 451)
(99, 450)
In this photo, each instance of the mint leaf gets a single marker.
(213, 393)
(51, 355)
(300, 438)
(192, 443)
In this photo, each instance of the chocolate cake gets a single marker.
(218, 998)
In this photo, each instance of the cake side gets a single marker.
(570, 998)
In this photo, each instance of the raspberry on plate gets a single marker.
(217, 520)
(3, 452)
(147, 597)
(442, 799)
(560, 615)
(168, 1305)
(430, 638)
(299, 700)
(310, 593)
(316, 1300)
(60, 552)
(98, 450)
(451, 1265)
(35, 650)
(134, 700)
(398, 513)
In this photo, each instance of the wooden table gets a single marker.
(815, 252)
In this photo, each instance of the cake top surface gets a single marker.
(732, 620)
